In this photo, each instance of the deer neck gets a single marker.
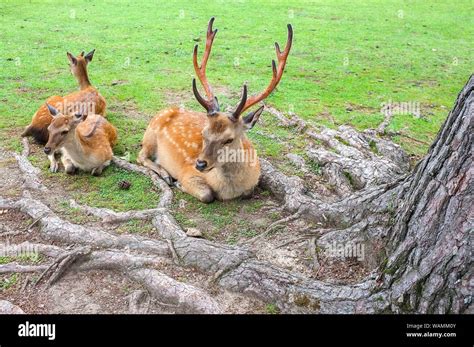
(74, 145)
(240, 158)
(82, 77)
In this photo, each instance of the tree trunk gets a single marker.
(429, 268)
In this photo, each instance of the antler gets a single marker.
(211, 104)
(277, 71)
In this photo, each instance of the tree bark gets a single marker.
(429, 268)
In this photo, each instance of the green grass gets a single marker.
(347, 59)
(136, 226)
(8, 281)
(5, 260)
(102, 191)
(27, 258)
(229, 221)
(272, 309)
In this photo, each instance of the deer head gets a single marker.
(78, 66)
(61, 128)
(228, 128)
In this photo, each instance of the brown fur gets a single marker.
(173, 142)
(85, 142)
(38, 127)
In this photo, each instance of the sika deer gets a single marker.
(86, 100)
(84, 141)
(209, 155)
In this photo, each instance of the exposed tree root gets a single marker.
(55, 228)
(187, 298)
(293, 122)
(109, 216)
(61, 264)
(14, 267)
(274, 225)
(347, 211)
(352, 161)
(139, 302)
(30, 173)
(295, 293)
(382, 128)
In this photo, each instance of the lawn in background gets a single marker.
(348, 58)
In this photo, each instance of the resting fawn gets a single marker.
(84, 141)
(209, 154)
(86, 100)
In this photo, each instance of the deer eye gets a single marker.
(229, 141)
(64, 132)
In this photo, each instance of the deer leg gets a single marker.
(197, 187)
(54, 164)
(144, 159)
(159, 170)
(97, 170)
(68, 165)
(247, 194)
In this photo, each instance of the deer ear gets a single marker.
(72, 58)
(252, 118)
(53, 111)
(89, 56)
(79, 117)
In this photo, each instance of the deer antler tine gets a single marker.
(195, 62)
(274, 68)
(277, 70)
(239, 109)
(290, 33)
(210, 104)
(277, 48)
(209, 28)
(199, 98)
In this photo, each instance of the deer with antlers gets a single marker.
(209, 154)
(86, 100)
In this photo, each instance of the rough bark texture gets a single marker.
(430, 264)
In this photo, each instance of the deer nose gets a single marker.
(201, 164)
(47, 150)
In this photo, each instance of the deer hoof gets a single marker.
(169, 180)
(54, 167)
(70, 169)
(97, 171)
(207, 198)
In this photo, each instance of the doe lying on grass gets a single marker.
(84, 141)
(209, 154)
(86, 100)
